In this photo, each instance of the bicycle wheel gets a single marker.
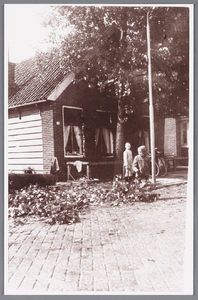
(162, 167)
(156, 169)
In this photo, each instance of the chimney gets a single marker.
(12, 87)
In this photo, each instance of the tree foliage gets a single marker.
(107, 48)
(116, 64)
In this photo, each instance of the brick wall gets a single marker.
(70, 97)
(52, 120)
(47, 112)
(58, 133)
(159, 134)
(170, 137)
(178, 138)
(52, 127)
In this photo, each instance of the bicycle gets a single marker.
(160, 164)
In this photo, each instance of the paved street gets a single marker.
(124, 249)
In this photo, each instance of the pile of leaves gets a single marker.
(125, 192)
(52, 203)
(62, 205)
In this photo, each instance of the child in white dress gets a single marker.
(128, 162)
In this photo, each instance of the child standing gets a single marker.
(141, 164)
(128, 162)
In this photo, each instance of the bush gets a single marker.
(19, 181)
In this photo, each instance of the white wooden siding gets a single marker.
(30, 136)
(15, 118)
(25, 124)
(14, 155)
(21, 143)
(24, 149)
(19, 131)
(38, 169)
(25, 144)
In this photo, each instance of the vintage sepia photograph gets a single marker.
(98, 149)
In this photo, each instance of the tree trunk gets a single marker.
(119, 144)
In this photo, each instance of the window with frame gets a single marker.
(103, 134)
(184, 133)
(73, 139)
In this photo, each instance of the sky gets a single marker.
(24, 32)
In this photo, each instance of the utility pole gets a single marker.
(151, 109)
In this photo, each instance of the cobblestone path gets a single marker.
(126, 249)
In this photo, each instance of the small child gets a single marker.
(141, 164)
(128, 162)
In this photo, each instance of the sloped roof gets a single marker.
(36, 84)
(25, 70)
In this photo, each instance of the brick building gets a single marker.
(52, 116)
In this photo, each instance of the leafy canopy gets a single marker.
(116, 60)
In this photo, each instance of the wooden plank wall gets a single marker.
(25, 144)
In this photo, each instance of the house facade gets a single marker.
(52, 116)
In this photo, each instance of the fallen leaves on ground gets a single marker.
(62, 205)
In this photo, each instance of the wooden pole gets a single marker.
(151, 109)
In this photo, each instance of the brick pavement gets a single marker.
(125, 249)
